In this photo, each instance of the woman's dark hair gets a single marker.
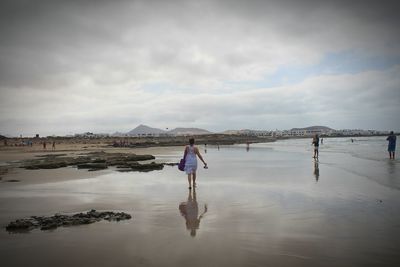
(191, 141)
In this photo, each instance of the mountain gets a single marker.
(188, 131)
(143, 129)
(118, 134)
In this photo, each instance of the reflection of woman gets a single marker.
(190, 210)
(191, 154)
(316, 170)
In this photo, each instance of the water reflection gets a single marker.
(190, 211)
(316, 170)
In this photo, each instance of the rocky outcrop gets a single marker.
(94, 161)
(58, 220)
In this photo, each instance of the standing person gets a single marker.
(191, 154)
(392, 144)
(44, 144)
(315, 142)
(53, 146)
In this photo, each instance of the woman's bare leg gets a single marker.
(190, 181)
(194, 179)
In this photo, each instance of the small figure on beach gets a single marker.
(191, 154)
(190, 211)
(53, 146)
(315, 142)
(392, 144)
(352, 140)
(44, 144)
(322, 141)
(247, 146)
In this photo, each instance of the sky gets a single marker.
(104, 66)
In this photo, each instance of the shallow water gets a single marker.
(269, 205)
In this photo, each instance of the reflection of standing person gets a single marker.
(190, 210)
(315, 142)
(191, 154)
(392, 144)
(316, 170)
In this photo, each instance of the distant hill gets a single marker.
(118, 134)
(313, 128)
(146, 130)
(188, 131)
(143, 129)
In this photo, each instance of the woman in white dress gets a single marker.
(191, 154)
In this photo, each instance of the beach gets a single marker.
(269, 204)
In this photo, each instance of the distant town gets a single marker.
(146, 131)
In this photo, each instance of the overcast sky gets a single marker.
(106, 66)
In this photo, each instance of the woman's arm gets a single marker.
(199, 155)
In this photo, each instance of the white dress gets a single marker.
(191, 161)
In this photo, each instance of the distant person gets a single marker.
(190, 211)
(322, 141)
(191, 154)
(53, 146)
(315, 142)
(392, 144)
(44, 144)
(352, 140)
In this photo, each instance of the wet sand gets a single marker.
(271, 205)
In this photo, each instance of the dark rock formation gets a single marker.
(135, 166)
(58, 220)
(94, 161)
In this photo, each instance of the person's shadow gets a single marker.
(190, 211)
(316, 170)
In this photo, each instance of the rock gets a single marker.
(58, 220)
(93, 161)
(135, 166)
(92, 166)
(46, 165)
(21, 225)
(171, 163)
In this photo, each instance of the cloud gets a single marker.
(177, 62)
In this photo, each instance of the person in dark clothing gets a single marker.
(315, 142)
(392, 144)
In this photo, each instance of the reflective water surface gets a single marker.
(257, 205)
